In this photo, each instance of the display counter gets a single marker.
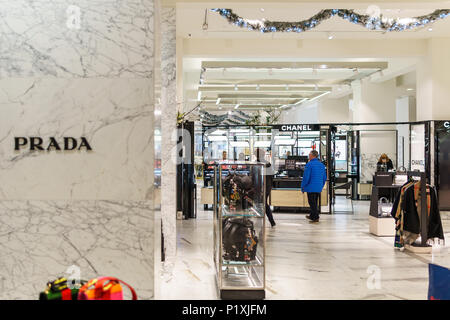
(287, 193)
(381, 222)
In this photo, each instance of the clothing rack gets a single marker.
(424, 206)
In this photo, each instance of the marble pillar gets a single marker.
(168, 129)
(83, 69)
(433, 81)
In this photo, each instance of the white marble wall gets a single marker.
(168, 125)
(91, 76)
(39, 240)
(113, 114)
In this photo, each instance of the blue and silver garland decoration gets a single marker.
(370, 22)
(236, 117)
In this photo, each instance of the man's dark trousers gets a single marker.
(313, 200)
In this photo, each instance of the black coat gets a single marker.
(389, 165)
(411, 220)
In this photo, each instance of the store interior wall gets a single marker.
(63, 210)
(334, 110)
(372, 145)
(308, 113)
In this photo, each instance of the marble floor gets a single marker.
(334, 259)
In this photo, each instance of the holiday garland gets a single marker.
(370, 22)
(235, 118)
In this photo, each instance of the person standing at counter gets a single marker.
(260, 157)
(314, 178)
(384, 163)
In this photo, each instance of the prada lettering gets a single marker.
(38, 144)
(299, 127)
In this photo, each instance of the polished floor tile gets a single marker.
(335, 259)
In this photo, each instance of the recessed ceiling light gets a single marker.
(430, 29)
(262, 9)
(409, 89)
(229, 112)
(220, 108)
(330, 36)
(323, 66)
(236, 106)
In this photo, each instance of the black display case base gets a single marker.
(242, 294)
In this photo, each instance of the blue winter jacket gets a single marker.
(314, 177)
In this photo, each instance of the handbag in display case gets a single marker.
(239, 239)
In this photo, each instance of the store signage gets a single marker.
(418, 162)
(447, 124)
(37, 143)
(297, 127)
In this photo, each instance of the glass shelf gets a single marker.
(242, 277)
(257, 262)
(250, 212)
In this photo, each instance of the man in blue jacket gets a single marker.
(314, 179)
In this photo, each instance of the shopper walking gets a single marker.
(314, 178)
(260, 158)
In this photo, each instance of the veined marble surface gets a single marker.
(115, 115)
(168, 129)
(72, 69)
(40, 240)
(78, 38)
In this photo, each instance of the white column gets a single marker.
(168, 128)
(433, 81)
(373, 102)
(405, 112)
(89, 73)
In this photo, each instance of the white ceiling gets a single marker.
(288, 82)
(191, 17)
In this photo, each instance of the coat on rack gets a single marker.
(406, 212)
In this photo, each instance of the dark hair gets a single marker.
(314, 153)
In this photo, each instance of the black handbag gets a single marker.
(239, 239)
(238, 191)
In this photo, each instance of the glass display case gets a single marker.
(239, 227)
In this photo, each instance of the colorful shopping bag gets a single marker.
(59, 290)
(106, 288)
